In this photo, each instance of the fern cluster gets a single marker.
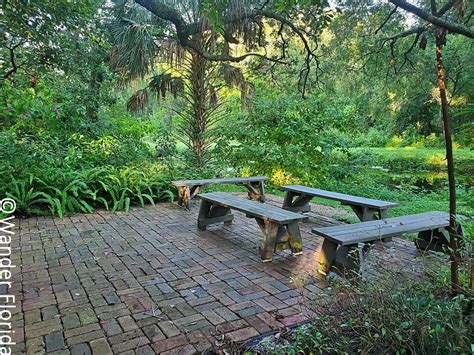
(85, 191)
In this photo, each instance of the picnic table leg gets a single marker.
(270, 232)
(327, 256)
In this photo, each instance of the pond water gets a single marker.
(424, 181)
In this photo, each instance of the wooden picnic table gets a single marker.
(297, 199)
(279, 227)
(187, 189)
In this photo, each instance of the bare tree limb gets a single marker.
(15, 66)
(386, 20)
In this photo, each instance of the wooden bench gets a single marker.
(340, 246)
(297, 199)
(187, 189)
(279, 227)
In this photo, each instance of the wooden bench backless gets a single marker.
(298, 197)
(279, 227)
(187, 189)
(432, 229)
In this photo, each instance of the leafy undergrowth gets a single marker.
(60, 193)
(389, 307)
(396, 312)
(403, 158)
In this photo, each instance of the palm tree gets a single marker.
(196, 39)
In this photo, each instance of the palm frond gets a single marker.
(138, 102)
(164, 83)
(135, 48)
(173, 52)
(232, 75)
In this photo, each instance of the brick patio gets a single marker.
(149, 282)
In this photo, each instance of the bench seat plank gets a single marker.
(350, 234)
(349, 199)
(253, 208)
(377, 224)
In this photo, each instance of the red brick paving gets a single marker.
(148, 281)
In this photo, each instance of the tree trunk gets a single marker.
(198, 97)
(440, 40)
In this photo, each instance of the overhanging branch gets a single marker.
(435, 20)
(185, 32)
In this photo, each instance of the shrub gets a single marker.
(373, 138)
(392, 314)
(395, 142)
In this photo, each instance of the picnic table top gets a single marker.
(349, 199)
(253, 208)
(347, 234)
(219, 181)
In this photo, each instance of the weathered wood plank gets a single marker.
(377, 230)
(344, 198)
(187, 189)
(377, 224)
(253, 208)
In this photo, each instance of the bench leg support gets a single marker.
(349, 258)
(211, 214)
(435, 240)
(186, 193)
(184, 196)
(256, 191)
(327, 256)
(294, 237)
(269, 240)
(279, 237)
(366, 214)
(300, 204)
(344, 258)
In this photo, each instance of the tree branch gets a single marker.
(435, 20)
(185, 32)
(15, 66)
(386, 20)
(166, 13)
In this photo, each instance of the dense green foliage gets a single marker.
(53, 159)
(392, 314)
(68, 143)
